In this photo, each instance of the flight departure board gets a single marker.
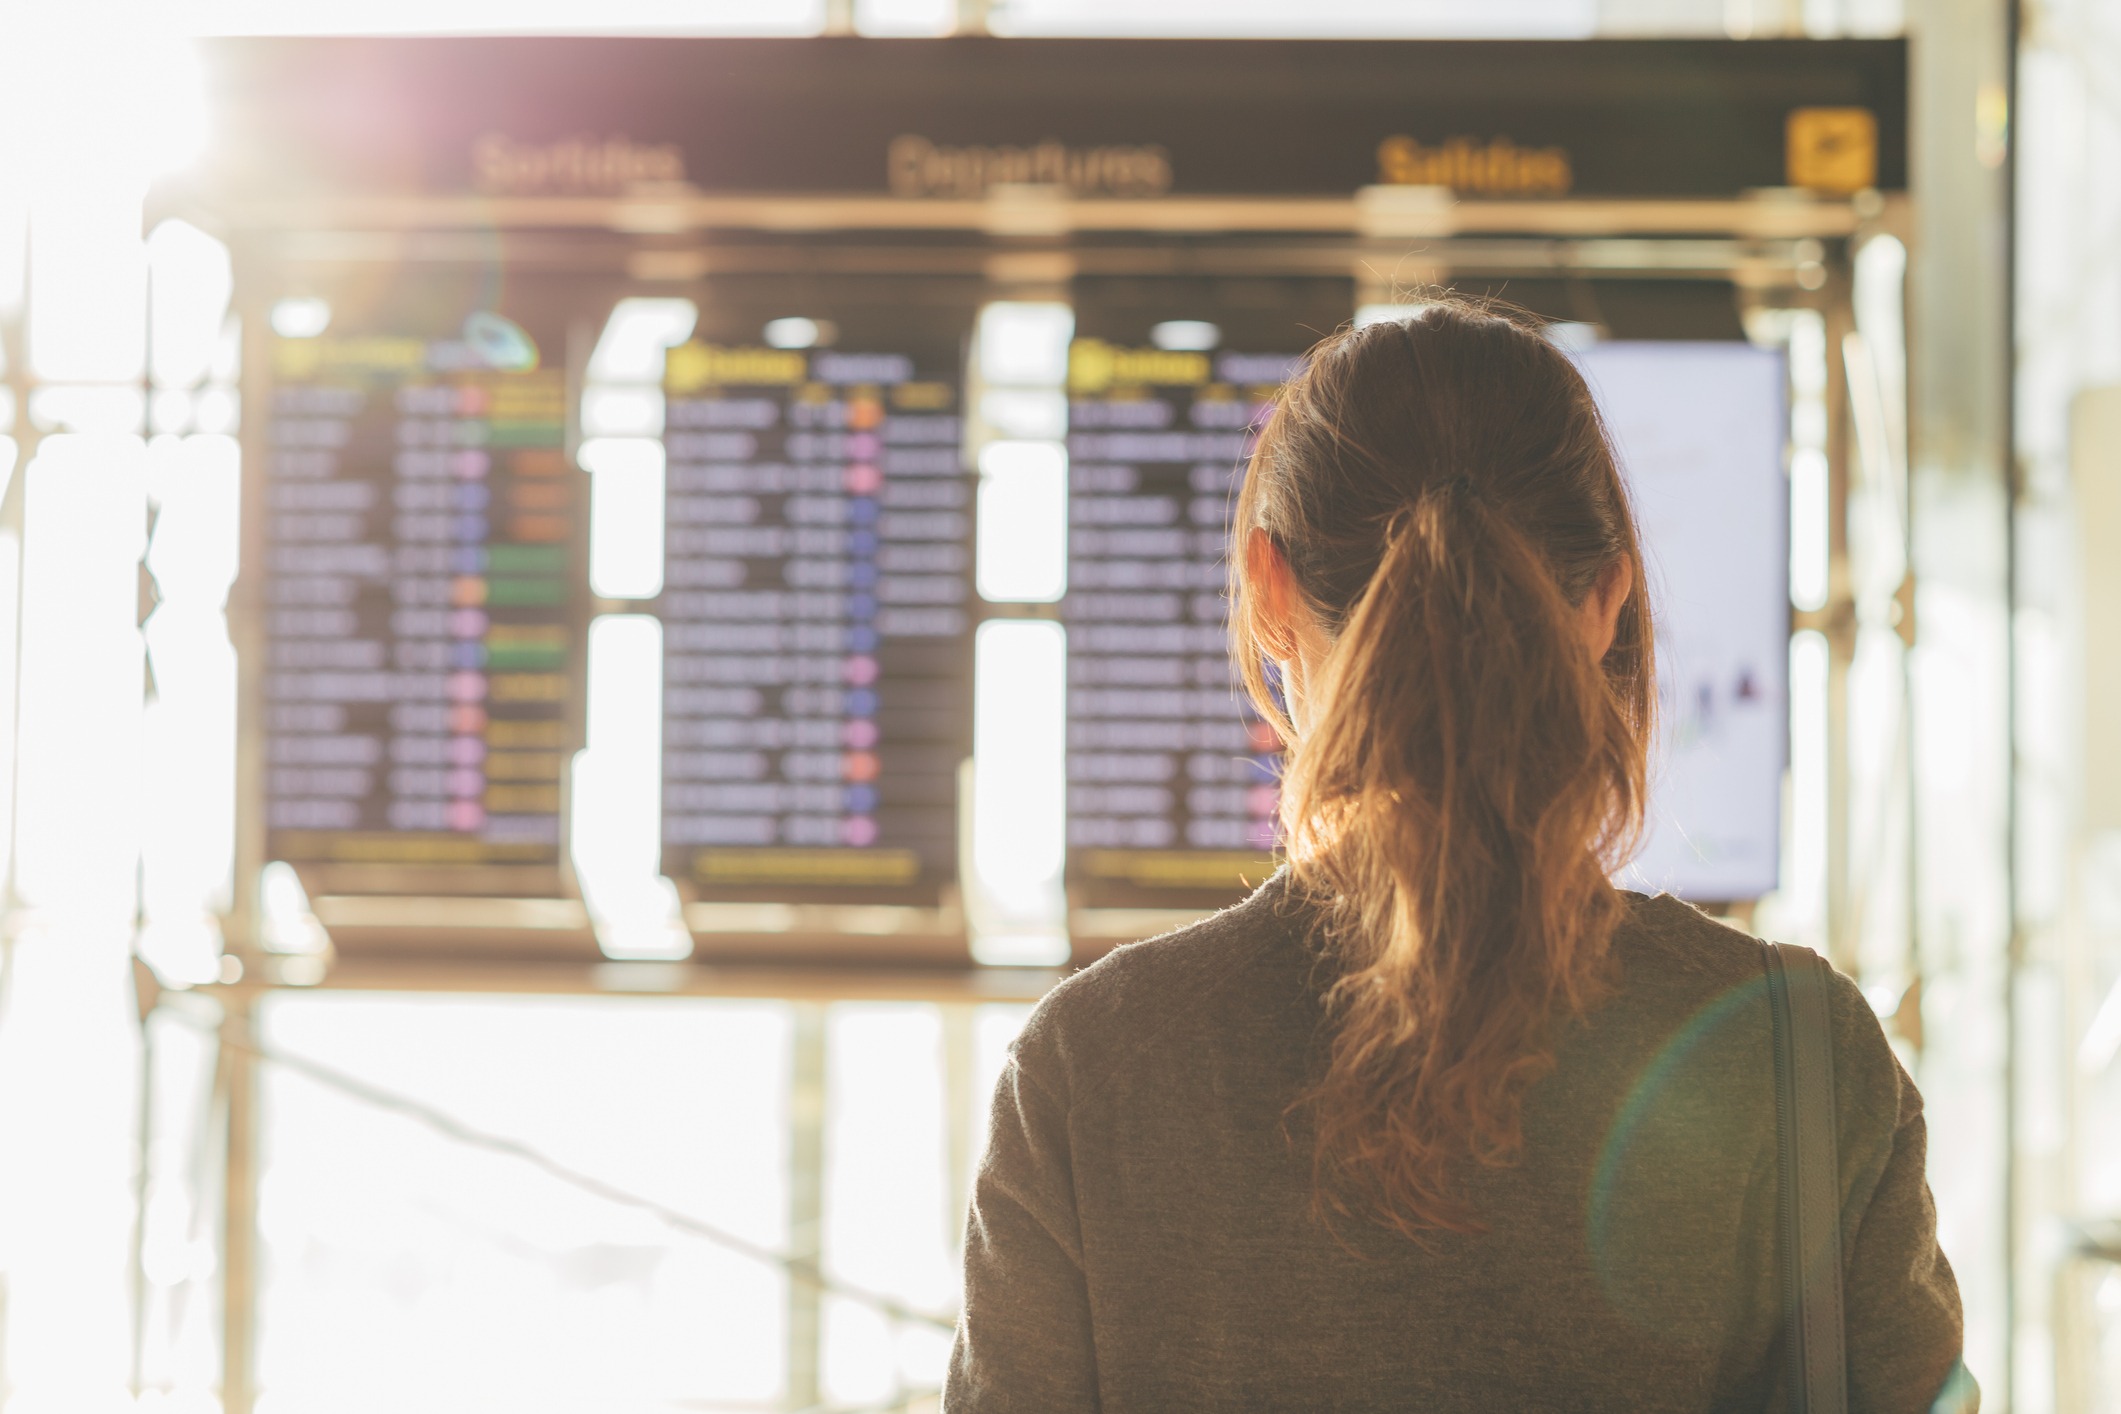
(1172, 793)
(1171, 774)
(419, 514)
(817, 620)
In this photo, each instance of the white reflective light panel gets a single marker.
(301, 316)
(1039, 414)
(625, 516)
(188, 787)
(617, 806)
(1025, 344)
(1186, 334)
(1020, 366)
(622, 410)
(794, 332)
(1701, 429)
(1018, 742)
(626, 727)
(1023, 523)
(287, 923)
(635, 338)
(1019, 785)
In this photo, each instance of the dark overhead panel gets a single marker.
(1121, 119)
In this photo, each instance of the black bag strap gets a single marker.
(1809, 1180)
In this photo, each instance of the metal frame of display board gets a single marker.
(1773, 248)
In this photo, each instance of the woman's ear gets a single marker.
(1274, 596)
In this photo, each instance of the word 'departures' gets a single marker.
(921, 168)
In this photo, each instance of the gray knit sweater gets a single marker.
(1142, 1234)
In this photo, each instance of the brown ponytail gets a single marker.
(1444, 494)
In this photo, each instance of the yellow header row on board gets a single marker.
(1094, 365)
(692, 366)
(807, 866)
(405, 847)
(307, 358)
(1181, 869)
(404, 356)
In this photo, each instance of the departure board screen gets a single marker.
(1171, 775)
(1172, 793)
(817, 621)
(419, 514)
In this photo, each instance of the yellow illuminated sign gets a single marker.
(1094, 365)
(310, 358)
(917, 167)
(1831, 149)
(1495, 168)
(1181, 869)
(406, 848)
(806, 866)
(693, 366)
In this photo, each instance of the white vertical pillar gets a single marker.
(1015, 893)
(90, 113)
(189, 825)
(1962, 664)
(77, 811)
(1020, 791)
(66, 1039)
(617, 823)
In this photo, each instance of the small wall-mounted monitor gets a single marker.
(1701, 429)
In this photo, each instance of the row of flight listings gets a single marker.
(427, 597)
